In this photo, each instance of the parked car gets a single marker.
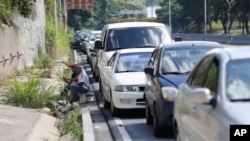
(94, 35)
(168, 68)
(215, 95)
(129, 35)
(123, 81)
(79, 38)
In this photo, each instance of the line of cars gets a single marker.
(139, 66)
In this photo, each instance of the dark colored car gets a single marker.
(168, 67)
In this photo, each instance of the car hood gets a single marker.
(175, 80)
(130, 78)
(238, 112)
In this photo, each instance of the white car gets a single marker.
(129, 35)
(215, 96)
(123, 81)
(94, 35)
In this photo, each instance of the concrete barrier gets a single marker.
(225, 39)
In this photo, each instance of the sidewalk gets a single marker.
(22, 124)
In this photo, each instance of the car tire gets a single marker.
(149, 117)
(114, 110)
(106, 104)
(158, 132)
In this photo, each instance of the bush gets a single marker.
(32, 93)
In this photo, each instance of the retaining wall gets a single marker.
(19, 41)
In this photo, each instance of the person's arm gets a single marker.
(66, 80)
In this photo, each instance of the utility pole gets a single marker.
(169, 16)
(205, 17)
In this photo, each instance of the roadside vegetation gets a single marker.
(7, 7)
(31, 87)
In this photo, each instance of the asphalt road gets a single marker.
(130, 126)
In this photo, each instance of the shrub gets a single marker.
(32, 93)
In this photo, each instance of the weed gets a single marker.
(72, 124)
(31, 93)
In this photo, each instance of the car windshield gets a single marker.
(132, 62)
(180, 61)
(238, 80)
(133, 37)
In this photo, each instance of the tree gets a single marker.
(243, 8)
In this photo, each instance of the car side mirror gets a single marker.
(107, 69)
(98, 44)
(202, 95)
(149, 70)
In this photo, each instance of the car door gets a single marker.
(107, 77)
(183, 105)
(149, 79)
(189, 122)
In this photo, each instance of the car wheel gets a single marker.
(149, 117)
(158, 132)
(114, 110)
(106, 104)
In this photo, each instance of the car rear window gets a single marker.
(134, 37)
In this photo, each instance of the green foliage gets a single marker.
(63, 41)
(32, 93)
(43, 60)
(72, 124)
(63, 73)
(5, 10)
(50, 36)
(24, 7)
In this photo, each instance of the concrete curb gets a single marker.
(88, 130)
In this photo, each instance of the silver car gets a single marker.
(215, 95)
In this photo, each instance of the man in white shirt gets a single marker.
(82, 85)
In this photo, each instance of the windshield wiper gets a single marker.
(176, 72)
(236, 100)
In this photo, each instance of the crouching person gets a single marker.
(82, 85)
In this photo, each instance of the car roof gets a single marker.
(200, 44)
(134, 50)
(133, 24)
(234, 53)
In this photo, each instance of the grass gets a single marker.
(72, 124)
(30, 93)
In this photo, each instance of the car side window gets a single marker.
(198, 75)
(157, 60)
(211, 79)
(151, 61)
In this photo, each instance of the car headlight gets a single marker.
(131, 88)
(169, 93)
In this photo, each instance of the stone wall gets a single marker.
(19, 42)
